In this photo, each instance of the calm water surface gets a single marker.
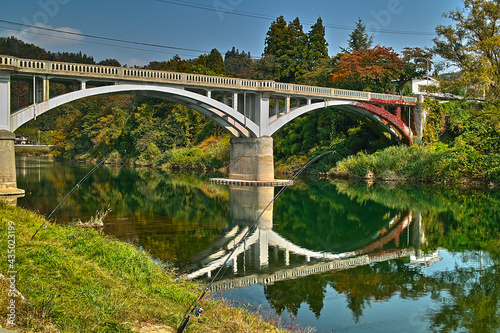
(335, 256)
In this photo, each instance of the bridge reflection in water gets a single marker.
(250, 263)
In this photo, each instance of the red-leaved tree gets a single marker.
(370, 70)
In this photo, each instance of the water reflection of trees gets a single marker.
(361, 285)
(467, 296)
(154, 209)
(168, 210)
(318, 215)
(469, 300)
(455, 218)
(314, 215)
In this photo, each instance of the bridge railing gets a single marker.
(133, 74)
(309, 269)
(8, 61)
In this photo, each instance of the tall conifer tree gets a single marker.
(317, 44)
(358, 38)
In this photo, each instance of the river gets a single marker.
(331, 255)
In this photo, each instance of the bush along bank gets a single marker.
(437, 163)
(69, 279)
(22, 150)
(211, 154)
(461, 143)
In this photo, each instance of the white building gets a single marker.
(417, 84)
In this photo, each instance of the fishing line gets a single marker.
(194, 306)
(69, 193)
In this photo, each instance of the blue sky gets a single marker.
(200, 30)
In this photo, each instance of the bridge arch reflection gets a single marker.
(250, 263)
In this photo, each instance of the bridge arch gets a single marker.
(233, 121)
(384, 119)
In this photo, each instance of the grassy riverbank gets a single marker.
(77, 280)
(22, 150)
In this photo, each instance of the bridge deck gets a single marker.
(120, 74)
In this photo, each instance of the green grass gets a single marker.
(77, 280)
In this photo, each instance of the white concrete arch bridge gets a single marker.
(251, 110)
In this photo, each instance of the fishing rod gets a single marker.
(194, 306)
(69, 193)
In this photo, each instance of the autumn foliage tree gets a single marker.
(369, 70)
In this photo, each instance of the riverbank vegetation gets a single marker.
(461, 143)
(460, 139)
(22, 150)
(76, 280)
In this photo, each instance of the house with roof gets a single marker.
(21, 139)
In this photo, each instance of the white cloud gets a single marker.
(39, 36)
(135, 62)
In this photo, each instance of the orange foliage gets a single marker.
(378, 64)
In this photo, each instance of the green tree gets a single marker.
(472, 44)
(320, 64)
(285, 42)
(414, 65)
(17, 48)
(297, 56)
(106, 131)
(110, 62)
(277, 38)
(358, 38)
(239, 64)
(316, 42)
(293, 51)
(209, 64)
(215, 62)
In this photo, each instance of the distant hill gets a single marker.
(15, 47)
(450, 76)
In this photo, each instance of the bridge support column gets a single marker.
(8, 181)
(235, 101)
(276, 109)
(5, 101)
(420, 116)
(251, 159)
(46, 93)
(398, 112)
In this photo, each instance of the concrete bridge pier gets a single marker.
(8, 182)
(251, 159)
(251, 163)
(420, 116)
